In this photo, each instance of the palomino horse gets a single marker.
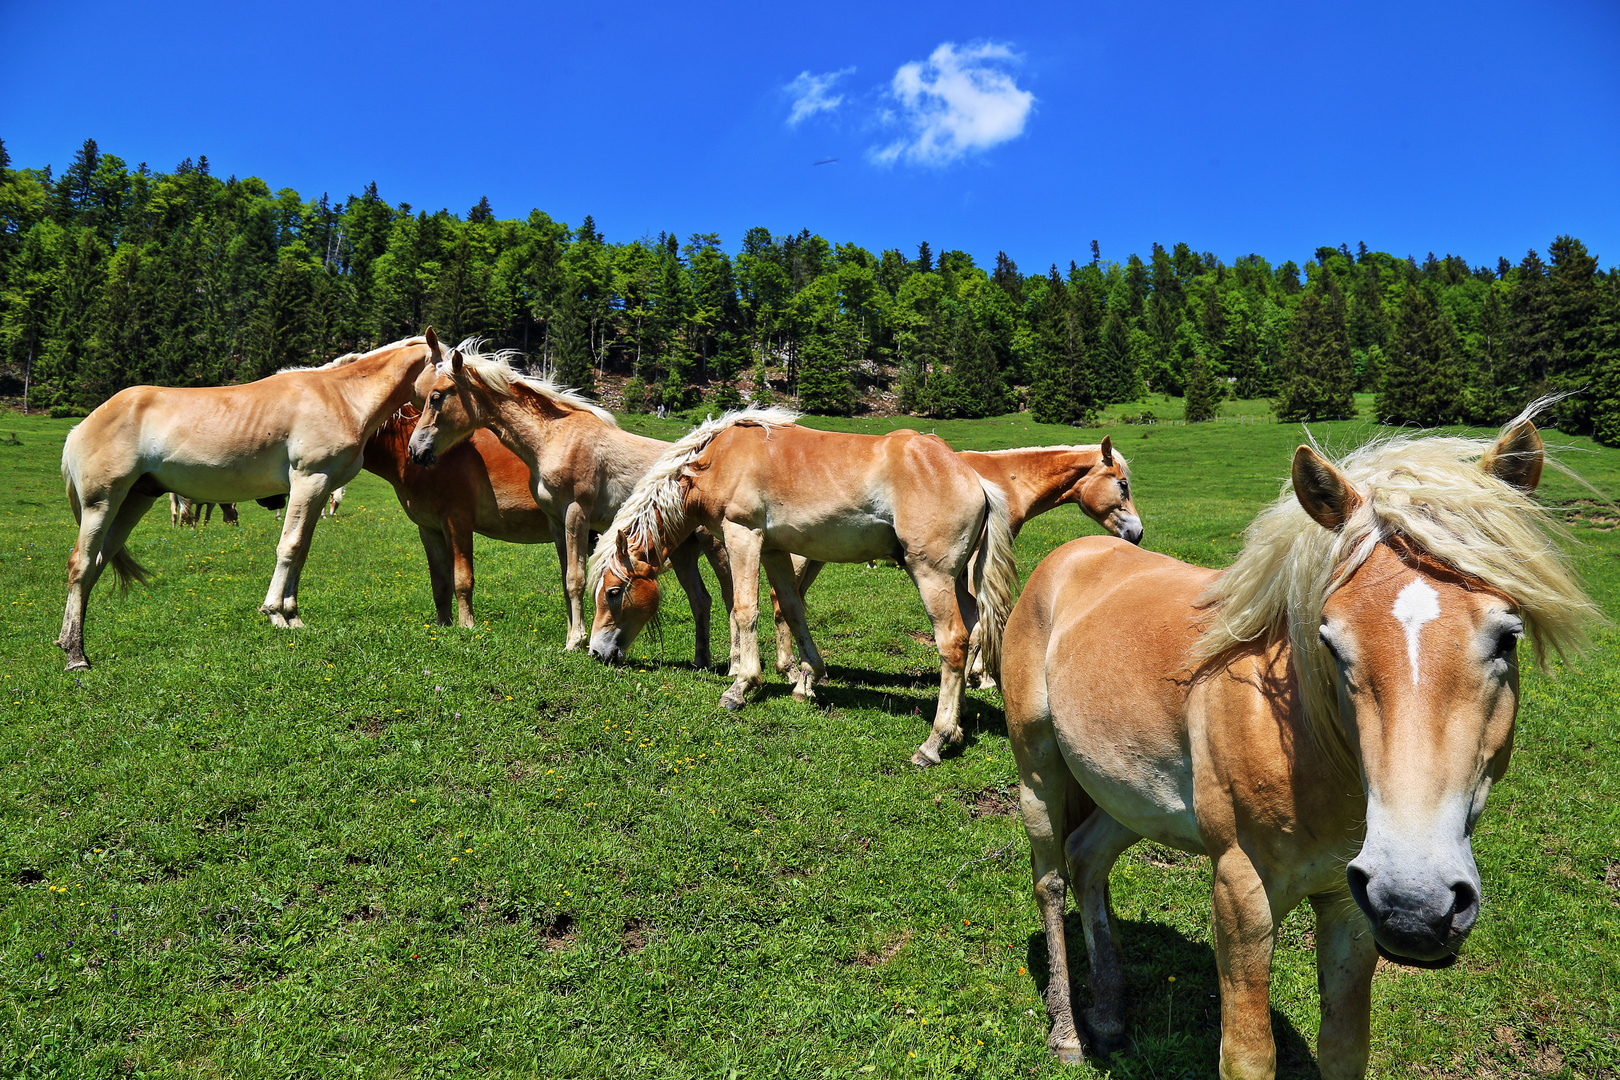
(771, 490)
(1035, 479)
(183, 511)
(297, 433)
(1324, 719)
(581, 466)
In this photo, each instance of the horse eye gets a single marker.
(614, 593)
(1507, 644)
(1327, 643)
(1125, 488)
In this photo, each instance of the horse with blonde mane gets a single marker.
(770, 490)
(1323, 719)
(581, 465)
(1096, 478)
(297, 434)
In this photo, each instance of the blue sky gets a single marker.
(1482, 128)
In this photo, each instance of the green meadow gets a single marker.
(377, 847)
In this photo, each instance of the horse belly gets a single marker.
(254, 478)
(1140, 783)
(855, 535)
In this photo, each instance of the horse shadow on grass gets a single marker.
(1173, 1027)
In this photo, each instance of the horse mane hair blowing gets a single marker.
(1430, 495)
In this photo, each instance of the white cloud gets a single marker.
(811, 94)
(955, 102)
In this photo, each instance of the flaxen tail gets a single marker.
(997, 577)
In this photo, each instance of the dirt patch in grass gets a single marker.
(1604, 517)
(559, 932)
(1611, 876)
(634, 936)
(883, 955)
(998, 801)
(371, 726)
(921, 638)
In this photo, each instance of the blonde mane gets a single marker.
(656, 508)
(349, 358)
(496, 371)
(1078, 448)
(1429, 492)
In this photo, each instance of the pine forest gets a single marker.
(112, 276)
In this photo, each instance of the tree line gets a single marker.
(112, 276)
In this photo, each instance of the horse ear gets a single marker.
(624, 549)
(1516, 458)
(1322, 490)
(456, 362)
(1108, 451)
(433, 343)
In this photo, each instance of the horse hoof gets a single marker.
(1106, 1040)
(295, 623)
(923, 759)
(77, 664)
(1069, 1052)
(734, 704)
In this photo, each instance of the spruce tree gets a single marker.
(825, 388)
(1316, 380)
(1049, 387)
(573, 333)
(1245, 364)
(1422, 378)
(1203, 393)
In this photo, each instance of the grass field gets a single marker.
(380, 848)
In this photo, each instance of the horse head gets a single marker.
(1103, 493)
(455, 403)
(627, 598)
(1425, 659)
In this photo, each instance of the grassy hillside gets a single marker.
(377, 847)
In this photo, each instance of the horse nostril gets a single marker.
(1464, 907)
(1358, 880)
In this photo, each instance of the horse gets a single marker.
(771, 489)
(298, 433)
(333, 501)
(182, 511)
(581, 466)
(1035, 479)
(1323, 719)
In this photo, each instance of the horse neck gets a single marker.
(377, 385)
(386, 450)
(1035, 480)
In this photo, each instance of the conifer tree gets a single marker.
(1245, 364)
(1203, 393)
(1422, 379)
(573, 332)
(1316, 380)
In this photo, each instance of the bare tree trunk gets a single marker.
(28, 371)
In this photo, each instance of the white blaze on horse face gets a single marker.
(1417, 604)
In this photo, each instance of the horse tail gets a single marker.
(128, 570)
(997, 576)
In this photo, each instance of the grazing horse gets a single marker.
(771, 489)
(581, 466)
(1323, 719)
(333, 501)
(297, 433)
(182, 511)
(1035, 479)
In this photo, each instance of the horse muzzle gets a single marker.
(1130, 528)
(606, 648)
(421, 450)
(1419, 920)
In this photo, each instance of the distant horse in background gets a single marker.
(1323, 719)
(1035, 479)
(297, 435)
(182, 511)
(333, 501)
(581, 465)
(771, 490)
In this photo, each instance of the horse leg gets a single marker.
(714, 549)
(1043, 793)
(577, 536)
(439, 570)
(1245, 933)
(950, 638)
(779, 570)
(459, 533)
(1345, 958)
(1092, 850)
(103, 529)
(684, 561)
(742, 547)
(804, 573)
(297, 530)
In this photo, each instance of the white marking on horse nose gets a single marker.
(1417, 604)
